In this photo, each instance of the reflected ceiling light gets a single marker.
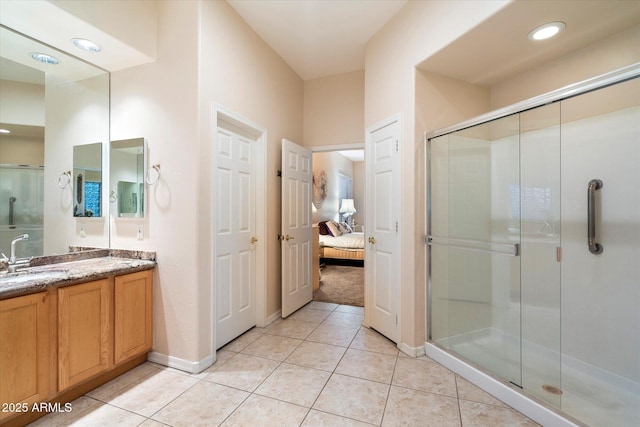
(44, 58)
(5, 131)
(546, 31)
(87, 45)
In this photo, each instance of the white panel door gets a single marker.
(296, 227)
(235, 263)
(382, 228)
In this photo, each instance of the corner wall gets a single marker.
(334, 110)
(391, 56)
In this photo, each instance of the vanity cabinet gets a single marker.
(133, 315)
(84, 332)
(24, 352)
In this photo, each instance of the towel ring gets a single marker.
(153, 174)
(64, 180)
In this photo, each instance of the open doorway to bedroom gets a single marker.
(338, 213)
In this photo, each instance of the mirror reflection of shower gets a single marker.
(12, 200)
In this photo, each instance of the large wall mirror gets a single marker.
(126, 177)
(87, 180)
(48, 108)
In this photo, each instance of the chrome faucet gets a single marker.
(14, 262)
(12, 259)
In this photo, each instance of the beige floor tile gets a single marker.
(407, 407)
(472, 393)
(370, 340)
(426, 375)
(152, 423)
(322, 419)
(244, 340)
(316, 355)
(223, 356)
(293, 329)
(79, 407)
(308, 314)
(204, 404)
(319, 305)
(294, 384)
(367, 365)
(91, 413)
(272, 347)
(151, 394)
(354, 398)
(344, 319)
(260, 411)
(243, 371)
(350, 309)
(479, 414)
(137, 374)
(333, 334)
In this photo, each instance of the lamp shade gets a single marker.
(347, 207)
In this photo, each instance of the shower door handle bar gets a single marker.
(594, 248)
(462, 244)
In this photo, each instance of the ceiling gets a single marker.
(498, 48)
(324, 37)
(318, 38)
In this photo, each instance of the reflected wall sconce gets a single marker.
(64, 180)
(153, 174)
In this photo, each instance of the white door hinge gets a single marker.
(396, 319)
(396, 226)
(397, 146)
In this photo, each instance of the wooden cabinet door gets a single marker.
(24, 350)
(84, 332)
(133, 315)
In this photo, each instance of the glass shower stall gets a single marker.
(534, 246)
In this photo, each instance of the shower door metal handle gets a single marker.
(594, 248)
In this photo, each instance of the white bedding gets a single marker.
(346, 241)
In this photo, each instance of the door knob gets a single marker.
(287, 237)
(372, 240)
(253, 240)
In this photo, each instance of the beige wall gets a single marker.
(21, 150)
(334, 110)
(206, 56)
(334, 164)
(242, 73)
(416, 32)
(359, 188)
(22, 103)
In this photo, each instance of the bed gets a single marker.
(347, 246)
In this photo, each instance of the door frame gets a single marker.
(395, 118)
(237, 123)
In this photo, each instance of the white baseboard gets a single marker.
(181, 364)
(411, 351)
(275, 316)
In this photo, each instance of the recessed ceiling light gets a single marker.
(5, 131)
(44, 58)
(87, 45)
(546, 31)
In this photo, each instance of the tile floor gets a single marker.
(319, 367)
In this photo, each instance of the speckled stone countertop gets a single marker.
(73, 268)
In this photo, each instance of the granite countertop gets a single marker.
(71, 269)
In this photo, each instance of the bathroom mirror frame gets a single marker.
(127, 184)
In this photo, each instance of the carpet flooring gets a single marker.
(341, 285)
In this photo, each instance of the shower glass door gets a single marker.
(475, 243)
(600, 305)
(559, 316)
